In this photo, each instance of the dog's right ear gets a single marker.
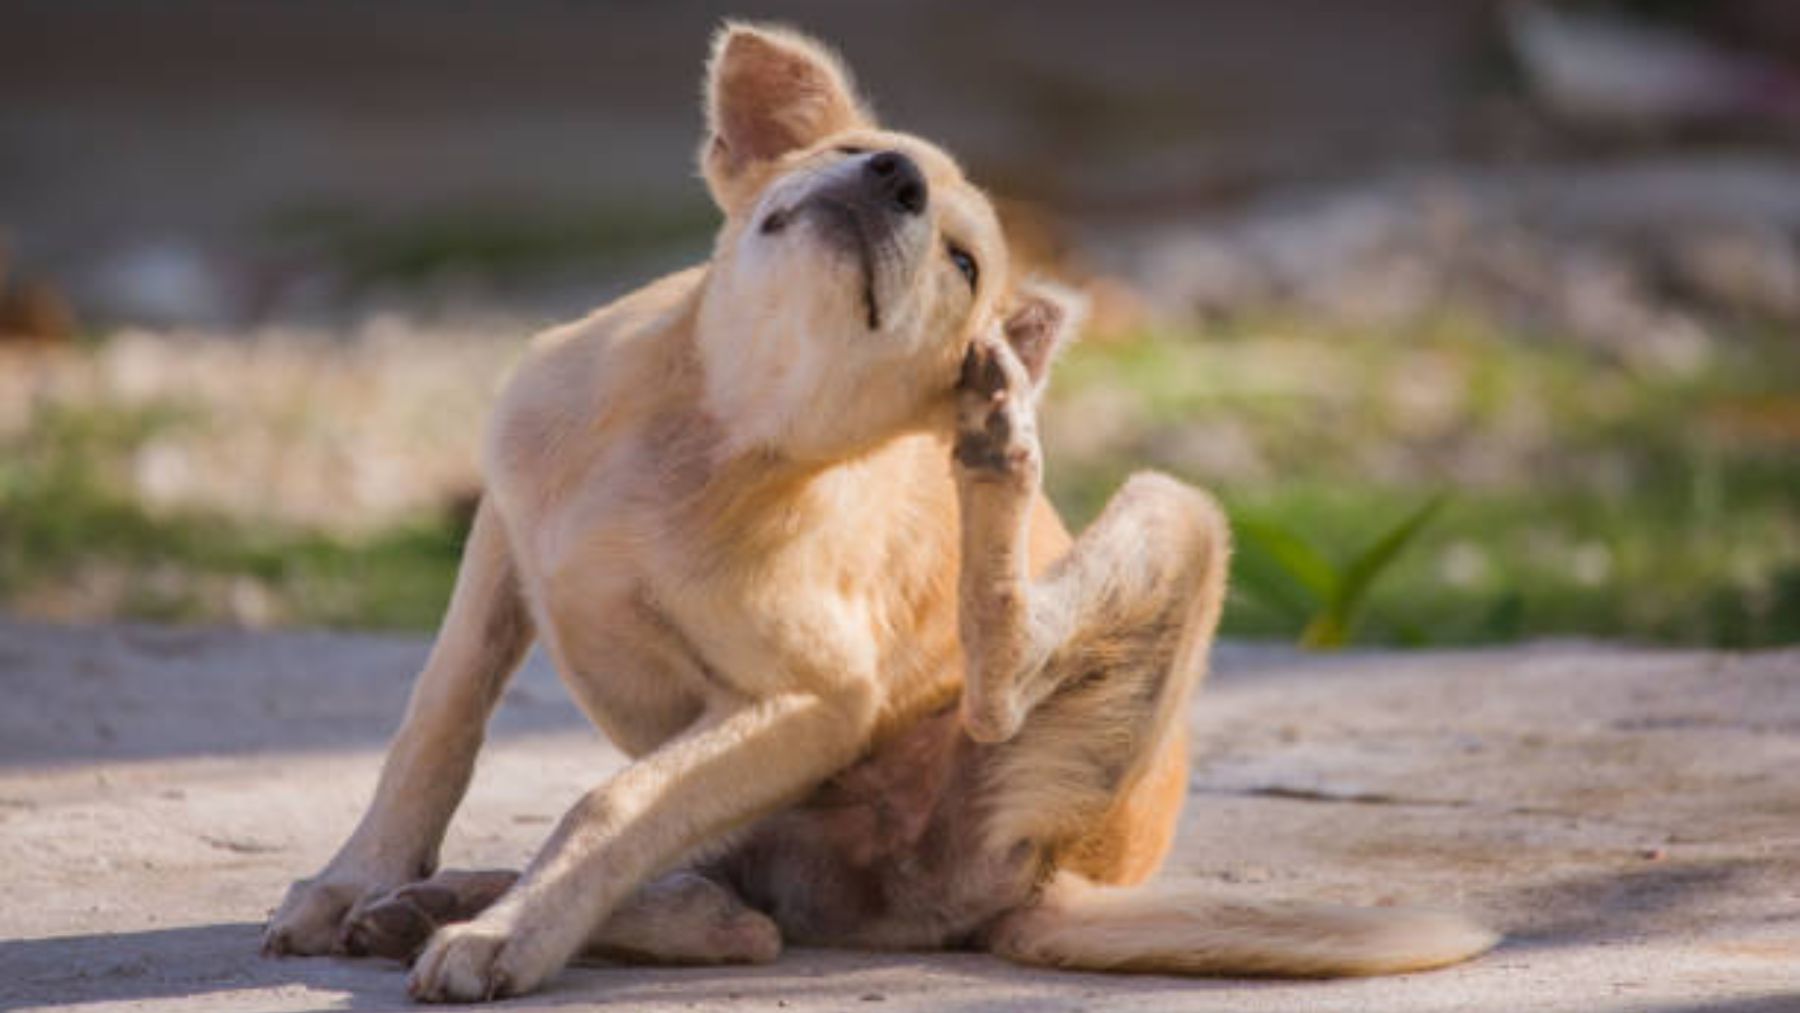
(1044, 317)
(769, 91)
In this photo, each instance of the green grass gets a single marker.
(64, 515)
(1586, 498)
(1282, 568)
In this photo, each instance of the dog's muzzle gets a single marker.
(865, 205)
(862, 210)
(894, 181)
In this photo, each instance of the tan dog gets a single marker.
(766, 516)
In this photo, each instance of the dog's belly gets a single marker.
(889, 854)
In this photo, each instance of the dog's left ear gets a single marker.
(769, 91)
(1043, 317)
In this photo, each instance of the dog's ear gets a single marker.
(1041, 319)
(769, 91)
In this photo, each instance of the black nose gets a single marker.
(898, 181)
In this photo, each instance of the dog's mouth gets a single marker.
(853, 230)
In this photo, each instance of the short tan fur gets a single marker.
(776, 520)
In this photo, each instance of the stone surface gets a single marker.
(1630, 818)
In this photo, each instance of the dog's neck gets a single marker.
(750, 501)
(727, 470)
(777, 393)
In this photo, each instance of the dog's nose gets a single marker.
(898, 181)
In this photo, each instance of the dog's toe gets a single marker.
(307, 922)
(473, 962)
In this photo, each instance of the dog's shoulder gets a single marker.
(580, 384)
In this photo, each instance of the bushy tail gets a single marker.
(1180, 930)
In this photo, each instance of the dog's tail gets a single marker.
(1180, 930)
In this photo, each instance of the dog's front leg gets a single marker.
(484, 636)
(725, 772)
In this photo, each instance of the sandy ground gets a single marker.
(1631, 819)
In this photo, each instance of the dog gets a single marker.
(777, 522)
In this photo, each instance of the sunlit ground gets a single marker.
(302, 479)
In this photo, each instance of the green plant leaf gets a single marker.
(1506, 620)
(1257, 574)
(1325, 632)
(1298, 559)
(1332, 627)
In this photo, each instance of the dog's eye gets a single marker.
(965, 263)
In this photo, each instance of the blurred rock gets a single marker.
(1754, 269)
(162, 281)
(1638, 261)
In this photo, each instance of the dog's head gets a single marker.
(855, 266)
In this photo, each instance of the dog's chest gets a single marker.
(661, 593)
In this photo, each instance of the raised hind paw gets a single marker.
(996, 422)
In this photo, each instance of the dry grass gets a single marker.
(293, 476)
(342, 434)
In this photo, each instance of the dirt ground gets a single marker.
(1629, 818)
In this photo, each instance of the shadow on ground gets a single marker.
(133, 692)
(218, 963)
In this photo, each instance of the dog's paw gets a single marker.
(990, 717)
(397, 924)
(479, 961)
(996, 423)
(307, 922)
(394, 925)
(746, 937)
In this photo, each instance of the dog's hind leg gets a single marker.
(1102, 650)
(1140, 588)
(685, 918)
(681, 918)
(1082, 678)
(484, 637)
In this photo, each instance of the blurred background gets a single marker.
(1479, 316)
